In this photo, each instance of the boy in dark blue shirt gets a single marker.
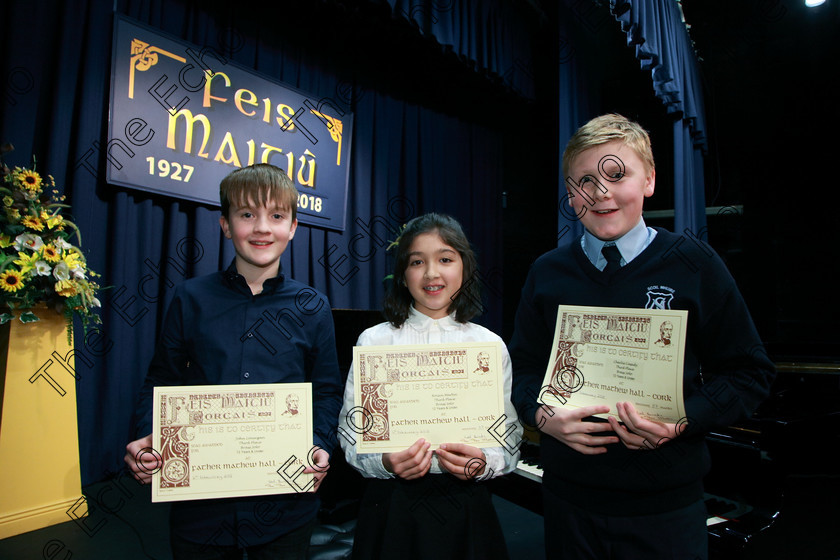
(632, 488)
(247, 324)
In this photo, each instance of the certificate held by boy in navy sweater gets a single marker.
(605, 355)
(222, 441)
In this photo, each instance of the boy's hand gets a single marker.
(638, 433)
(461, 460)
(320, 466)
(142, 460)
(568, 426)
(412, 463)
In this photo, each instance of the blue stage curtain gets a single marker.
(663, 46)
(577, 69)
(489, 35)
(407, 159)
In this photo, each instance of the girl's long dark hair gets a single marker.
(466, 304)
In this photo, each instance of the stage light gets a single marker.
(814, 3)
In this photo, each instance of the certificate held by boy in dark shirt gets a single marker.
(222, 441)
(605, 355)
(445, 393)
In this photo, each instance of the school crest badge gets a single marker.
(659, 297)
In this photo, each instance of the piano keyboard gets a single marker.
(720, 510)
(529, 469)
(529, 462)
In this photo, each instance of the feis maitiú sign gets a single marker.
(183, 117)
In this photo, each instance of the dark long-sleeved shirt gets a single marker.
(217, 332)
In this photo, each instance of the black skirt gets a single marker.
(435, 517)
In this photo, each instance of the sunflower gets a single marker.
(33, 222)
(30, 180)
(51, 254)
(11, 281)
(37, 263)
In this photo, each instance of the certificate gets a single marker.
(221, 441)
(445, 393)
(605, 355)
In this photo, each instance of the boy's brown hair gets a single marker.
(607, 128)
(259, 184)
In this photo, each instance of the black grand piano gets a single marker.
(773, 491)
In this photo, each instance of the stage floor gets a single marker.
(134, 528)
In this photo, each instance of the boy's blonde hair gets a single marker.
(259, 184)
(607, 128)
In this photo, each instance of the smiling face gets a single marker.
(260, 235)
(434, 274)
(609, 215)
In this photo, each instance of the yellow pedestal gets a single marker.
(39, 441)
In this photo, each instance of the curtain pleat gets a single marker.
(657, 31)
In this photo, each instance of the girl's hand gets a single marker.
(568, 426)
(637, 433)
(412, 463)
(461, 460)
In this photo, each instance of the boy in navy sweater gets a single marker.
(632, 488)
(248, 324)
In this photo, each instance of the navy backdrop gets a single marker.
(455, 108)
(416, 148)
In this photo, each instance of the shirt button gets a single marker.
(250, 335)
(246, 375)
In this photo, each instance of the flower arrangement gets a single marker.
(38, 264)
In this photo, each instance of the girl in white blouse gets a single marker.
(424, 503)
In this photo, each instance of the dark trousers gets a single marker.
(574, 533)
(292, 546)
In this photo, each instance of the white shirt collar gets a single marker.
(421, 322)
(629, 245)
